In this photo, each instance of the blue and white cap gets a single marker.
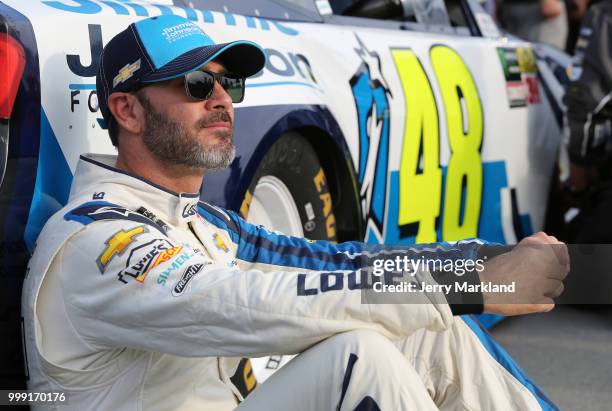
(165, 47)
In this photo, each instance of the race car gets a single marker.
(389, 121)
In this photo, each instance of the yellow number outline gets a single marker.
(420, 189)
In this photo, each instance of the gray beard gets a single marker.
(175, 144)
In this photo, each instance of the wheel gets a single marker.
(273, 206)
(289, 194)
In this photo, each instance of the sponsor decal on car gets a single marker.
(520, 72)
(117, 244)
(188, 275)
(90, 7)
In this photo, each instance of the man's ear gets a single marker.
(128, 112)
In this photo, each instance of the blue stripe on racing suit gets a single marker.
(504, 359)
(258, 245)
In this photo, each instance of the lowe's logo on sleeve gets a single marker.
(188, 275)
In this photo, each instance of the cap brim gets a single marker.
(240, 57)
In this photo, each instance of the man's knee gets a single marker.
(361, 336)
(361, 342)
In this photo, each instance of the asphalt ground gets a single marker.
(568, 352)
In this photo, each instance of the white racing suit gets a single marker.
(137, 298)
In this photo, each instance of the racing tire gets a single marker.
(291, 175)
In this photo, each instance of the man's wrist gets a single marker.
(464, 296)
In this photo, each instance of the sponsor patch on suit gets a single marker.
(117, 244)
(144, 258)
(188, 275)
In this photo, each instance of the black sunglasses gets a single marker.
(200, 85)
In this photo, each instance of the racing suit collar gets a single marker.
(95, 172)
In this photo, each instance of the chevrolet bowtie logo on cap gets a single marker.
(126, 72)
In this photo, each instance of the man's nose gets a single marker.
(220, 100)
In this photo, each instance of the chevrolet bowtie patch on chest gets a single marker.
(117, 244)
